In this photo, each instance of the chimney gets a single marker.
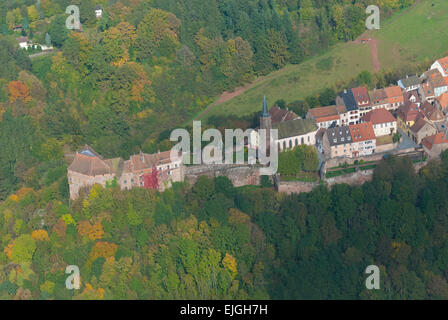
(142, 158)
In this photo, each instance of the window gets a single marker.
(290, 144)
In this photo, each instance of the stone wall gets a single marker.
(293, 187)
(356, 178)
(240, 175)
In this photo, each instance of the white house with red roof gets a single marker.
(441, 65)
(384, 123)
(364, 139)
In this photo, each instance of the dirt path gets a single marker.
(228, 95)
(366, 37)
(43, 53)
(374, 51)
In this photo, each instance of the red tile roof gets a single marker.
(431, 112)
(408, 95)
(362, 132)
(394, 94)
(90, 166)
(281, 115)
(443, 100)
(361, 96)
(439, 138)
(409, 112)
(378, 116)
(324, 114)
(378, 96)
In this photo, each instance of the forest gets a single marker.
(127, 79)
(214, 241)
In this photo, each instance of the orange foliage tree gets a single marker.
(102, 249)
(94, 232)
(18, 91)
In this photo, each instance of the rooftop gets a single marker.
(411, 81)
(378, 116)
(439, 138)
(339, 135)
(361, 96)
(280, 115)
(362, 132)
(294, 128)
(393, 92)
(419, 125)
(349, 100)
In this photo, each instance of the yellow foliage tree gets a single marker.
(40, 235)
(229, 262)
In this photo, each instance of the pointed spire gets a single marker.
(265, 112)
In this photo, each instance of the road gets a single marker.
(43, 53)
(407, 142)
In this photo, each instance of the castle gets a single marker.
(156, 171)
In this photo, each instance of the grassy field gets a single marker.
(413, 35)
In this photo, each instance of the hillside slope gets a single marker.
(414, 35)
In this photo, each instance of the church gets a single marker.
(292, 131)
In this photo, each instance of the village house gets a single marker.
(89, 168)
(410, 83)
(394, 97)
(407, 115)
(432, 114)
(347, 99)
(426, 92)
(379, 99)
(350, 141)
(441, 65)
(412, 97)
(436, 81)
(421, 129)
(384, 123)
(99, 11)
(326, 117)
(434, 145)
(364, 140)
(362, 99)
(24, 42)
(337, 142)
(442, 103)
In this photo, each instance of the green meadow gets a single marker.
(417, 34)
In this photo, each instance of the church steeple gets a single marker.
(265, 111)
(265, 118)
